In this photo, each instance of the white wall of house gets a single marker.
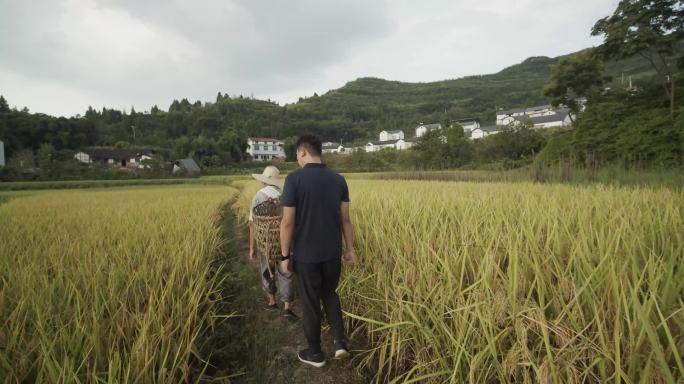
(391, 135)
(83, 157)
(404, 144)
(479, 133)
(370, 147)
(2, 154)
(264, 149)
(505, 117)
(423, 128)
(553, 124)
(468, 125)
(332, 149)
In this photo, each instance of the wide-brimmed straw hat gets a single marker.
(270, 176)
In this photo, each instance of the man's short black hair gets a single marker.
(312, 144)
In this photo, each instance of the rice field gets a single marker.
(107, 285)
(524, 283)
(456, 282)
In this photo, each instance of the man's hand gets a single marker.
(350, 257)
(285, 267)
(252, 254)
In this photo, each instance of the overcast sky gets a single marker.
(59, 56)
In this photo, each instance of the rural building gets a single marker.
(375, 146)
(402, 144)
(559, 119)
(468, 124)
(508, 116)
(331, 147)
(265, 149)
(543, 116)
(424, 128)
(124, 158)
(2, 154)
(391, 135)
(481, 132)
(186, 166)
(399, 145)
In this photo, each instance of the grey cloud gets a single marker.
(149, 51)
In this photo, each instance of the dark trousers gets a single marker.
(318, 282)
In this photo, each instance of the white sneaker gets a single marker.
(341, 350)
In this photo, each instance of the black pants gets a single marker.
(318, 282)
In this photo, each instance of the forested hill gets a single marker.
(365, 106)
(215, 131)
(372, 104)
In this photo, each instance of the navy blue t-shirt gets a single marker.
(316, 192)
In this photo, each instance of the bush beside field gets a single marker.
(107, 286)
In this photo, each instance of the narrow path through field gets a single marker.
(263, 344)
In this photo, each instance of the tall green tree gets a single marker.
(572, 78)
(4, 106)
(648, 28)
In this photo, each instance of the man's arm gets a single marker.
(286, 231)
(348, 233)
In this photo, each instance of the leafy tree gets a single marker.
(47, 160)
(4, 106)
(574, 77)
(648, 28)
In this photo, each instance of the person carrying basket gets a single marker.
(264, 238)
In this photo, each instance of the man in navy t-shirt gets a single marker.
(315, 204)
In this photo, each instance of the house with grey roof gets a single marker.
(391, 135)
(505, 117)
(468, 124)
(115, 157)
(186, 167)
(402, 144)
(542, 116)
(422, 129)
(332, 147)
(480, 132)
(374, 146)
(560, 119)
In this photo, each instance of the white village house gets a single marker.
(508, 116)
(542, 116)
(390, 139)
(424, 128)
(481, 132)
(402, 144)
(559, 119)
(468, 124)
(374, 146)
(2, 154)
(265, 149)
(332, 147)
(123, 158)
(391, 135)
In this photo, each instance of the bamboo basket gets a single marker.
(266, 217)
